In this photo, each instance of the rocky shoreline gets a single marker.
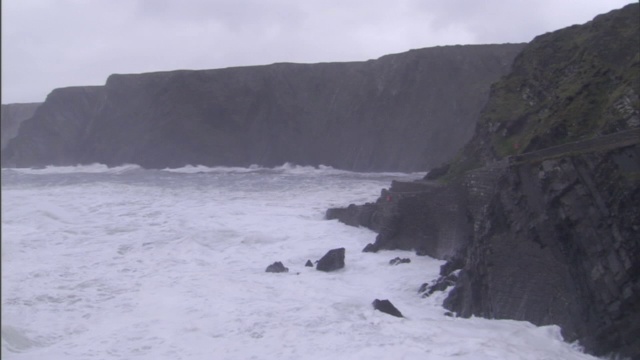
(538, 216)
(534, 238)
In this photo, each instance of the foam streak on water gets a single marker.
(126, 263)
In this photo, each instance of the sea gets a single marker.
(130, 263)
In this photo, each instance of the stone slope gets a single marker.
(402, 112)
(12, 116)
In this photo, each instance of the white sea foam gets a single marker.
(92, 168)
(142, 264)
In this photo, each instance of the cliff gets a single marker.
(12, 116)
(540, 211)
(402, 112)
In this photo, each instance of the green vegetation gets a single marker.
(577, 83)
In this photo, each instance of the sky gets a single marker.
(47, 44)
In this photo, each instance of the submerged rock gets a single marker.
(386, 307)
(332, 260)
(277, 267)
(398, 261)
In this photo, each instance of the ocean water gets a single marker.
(127, 263)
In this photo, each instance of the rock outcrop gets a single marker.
(333, 260)
(386, 307)
(401, 112)
(557, 243)
(12, 116)
(539, 215)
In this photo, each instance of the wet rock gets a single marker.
(370, 248)
(353, 215)
(386, 307)
(452, 265)
(441, 284)
(277, 267)
(398, 261)
(309, 264)
(332, 260)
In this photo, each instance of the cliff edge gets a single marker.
(540, 211)
(12, 117)
(401, 112)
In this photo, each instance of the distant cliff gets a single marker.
(541, 210)
(12, 116)
(402, 112)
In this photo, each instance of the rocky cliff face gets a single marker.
(406, 112)
(12, 116)
(577, 83)
(547, 193)
(557, 243)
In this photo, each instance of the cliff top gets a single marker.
(573, 84)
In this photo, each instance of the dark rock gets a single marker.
(441, 284)
(277, 267)
(453, 264)
(370, 248)
(386, 307)
(564, 204)
(540, 211)
(335, 114)
(427, 216)
(332, 260)
(354, 215)
(309, 264)
(12, 116)
(398, 260)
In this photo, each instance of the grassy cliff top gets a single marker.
(576, 83)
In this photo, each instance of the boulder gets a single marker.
(386, 307)
(332, 260)
(309, 264)
(277, 267)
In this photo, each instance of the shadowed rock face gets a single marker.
(547, 231)
(12, 116)
(558, 244)
(51, 136)
(406, 112)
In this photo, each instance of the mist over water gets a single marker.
(127, 263)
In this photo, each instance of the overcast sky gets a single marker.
(48, 44)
